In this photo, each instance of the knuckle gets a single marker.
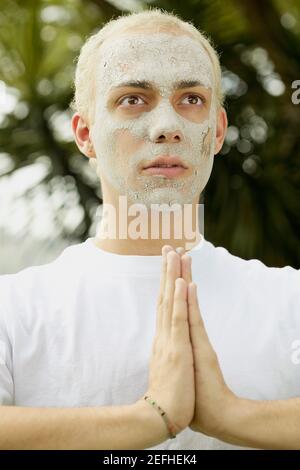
(196, 323)
(166, 303)
(159, 301)
(180, 311)
(213, 358)
(179, 320)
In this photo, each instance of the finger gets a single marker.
(165, 250)
(186, 268)
(181, 251)
(173, 272)
(205, 358)
(199, 337)
(180, 326)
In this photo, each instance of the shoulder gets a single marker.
(70, 257)
(24, 292)
(235, 269)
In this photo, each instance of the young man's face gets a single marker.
(154, 98)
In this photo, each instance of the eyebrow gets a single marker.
(148, 85)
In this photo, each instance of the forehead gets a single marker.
(161, 58)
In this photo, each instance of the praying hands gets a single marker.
(217, 411)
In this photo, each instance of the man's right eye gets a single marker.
(130, 100)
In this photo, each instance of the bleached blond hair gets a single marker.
(156, 20)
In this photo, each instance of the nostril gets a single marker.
(172, 137)
(161, 138)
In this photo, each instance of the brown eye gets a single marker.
(130, 100)
(193, 99)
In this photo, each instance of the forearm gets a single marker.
(136, 426)
(273, 424)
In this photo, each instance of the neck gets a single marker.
(130, 229)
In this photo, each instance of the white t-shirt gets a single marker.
(79, 330)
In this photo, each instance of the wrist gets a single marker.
(219, 420)
(153, 423)
(236, 421)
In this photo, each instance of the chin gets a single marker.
(160, 196)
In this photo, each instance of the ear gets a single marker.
(222, 124)
(82, 136)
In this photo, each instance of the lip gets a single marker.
(153, 167)
(167, 172)
(166, 160)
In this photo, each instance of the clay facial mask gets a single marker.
(122, 144)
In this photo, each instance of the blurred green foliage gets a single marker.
(252, 201)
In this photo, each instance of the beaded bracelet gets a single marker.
(170, 426)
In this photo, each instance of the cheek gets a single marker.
(206, 145)
(126, 143)
(196, 115)
(114, 143)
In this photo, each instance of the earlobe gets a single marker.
(90, 151)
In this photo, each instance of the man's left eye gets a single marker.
(131, 100)
(193, 99)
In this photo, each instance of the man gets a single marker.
(77, 334)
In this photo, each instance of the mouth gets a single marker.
(167, 166)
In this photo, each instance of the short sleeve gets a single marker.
(289, 325)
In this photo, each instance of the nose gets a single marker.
(160, 136)
(165, 125)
